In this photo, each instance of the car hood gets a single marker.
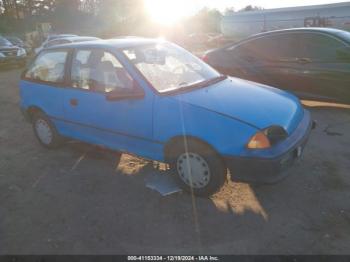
(249, 102)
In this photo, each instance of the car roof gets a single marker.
(109, 43)
(75, 38)
(53, 37)
(301, 30)
(326, 30)
(79, 38)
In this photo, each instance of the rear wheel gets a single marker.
(199, 169)
(45, 131)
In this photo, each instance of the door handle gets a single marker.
(73, 102)
(304, 60)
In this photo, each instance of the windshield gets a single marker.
(4, 42)
(168, 67)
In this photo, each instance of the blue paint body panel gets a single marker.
(224, 115)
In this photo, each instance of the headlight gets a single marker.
(21, 52)
(259, 141)
(267, 137)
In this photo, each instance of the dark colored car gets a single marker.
(19, 42)
(15, 41)
(11, 54)
(50, 38)
(313, 63)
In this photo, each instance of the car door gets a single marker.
(268, 59)
(124, 125)
(325, 74)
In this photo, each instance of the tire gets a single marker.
(206, 172)
(45, 131)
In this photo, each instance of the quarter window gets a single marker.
(48, 67)
(100, 71)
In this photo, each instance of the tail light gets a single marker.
(205, 58)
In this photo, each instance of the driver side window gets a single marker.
(99, 71)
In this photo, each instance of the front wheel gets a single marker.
(45, 131)
(200, 170)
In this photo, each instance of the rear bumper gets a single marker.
(267, 166)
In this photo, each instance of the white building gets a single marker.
(243, 24)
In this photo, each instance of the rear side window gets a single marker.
(48, 67)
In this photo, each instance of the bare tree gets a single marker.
(251, 8)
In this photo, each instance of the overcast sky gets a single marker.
(238, 4)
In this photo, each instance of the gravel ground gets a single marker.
(75, 200)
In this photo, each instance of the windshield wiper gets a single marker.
(212, 81)
(205, 83)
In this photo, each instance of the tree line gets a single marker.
(95, 17)
(71, 15)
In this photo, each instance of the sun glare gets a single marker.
(167, 12)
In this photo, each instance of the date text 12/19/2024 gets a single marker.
(173, 258)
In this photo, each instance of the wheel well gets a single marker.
(33, 110)
(180, 139)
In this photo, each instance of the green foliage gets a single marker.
(106, 18)
(205, 21)
(250, 8)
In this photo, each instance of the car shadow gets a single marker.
(224, 201)
(241, 217)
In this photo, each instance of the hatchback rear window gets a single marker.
(48, 67)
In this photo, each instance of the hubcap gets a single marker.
(43, 131)
(193, 170)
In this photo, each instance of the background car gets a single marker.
(50, 38)
(18, 42)
(11, 54)
(67, 40)
(314, 63)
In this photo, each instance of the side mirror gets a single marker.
(343, 53)
(125, 94)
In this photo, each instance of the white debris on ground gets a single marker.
(163, 183)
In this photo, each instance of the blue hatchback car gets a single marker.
(158, 101)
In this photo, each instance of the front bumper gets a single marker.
(267, 165)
